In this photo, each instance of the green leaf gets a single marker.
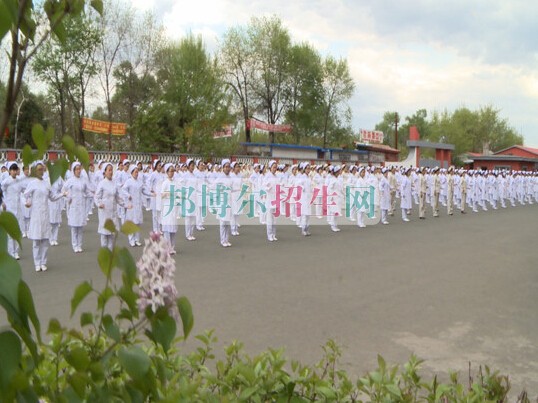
(246, 393)
(78, 358)
(105, 261)
(163, 331)
(109, 226)
(69, 146)
(395, 390)
(27, 155)
(10, 223)
(27, 306)
(128, 296)
(125, 261)
(86, 319)
(97, 5)
(135, 362)
(381, 363)
(327, 392)
(57, 169)
(103, 297)
(129, 228)
(60, 31)
(11, 353)
(81, 292)
(54, 326)
(185, 311)
(10, 277)
(6, 19)
(39, 137)
(79, 382)
(111, 329)
(83, 157)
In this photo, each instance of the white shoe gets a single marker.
(406, 219)
(270, 239)
(173, 252)
(38, 268)
(43, 267)
(335, 229)
(361, 226)
(191, 238)
(132, 244)
(385, 223)
(137, 243)
(200, 228)
(228, 244)
(16, 256)
(24, 235)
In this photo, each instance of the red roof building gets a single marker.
(516, 158)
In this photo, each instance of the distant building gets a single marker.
(516, 158)
(364, 154)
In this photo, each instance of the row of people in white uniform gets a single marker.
(190, 191)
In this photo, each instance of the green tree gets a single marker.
(236, 58)
(271, 45)
(28, 32)
(29, 114)
(132, 92)
(306, 75)
(338, 87)
(68, 67)
(388, 126)
(191, 101)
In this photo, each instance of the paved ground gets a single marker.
(452, 290)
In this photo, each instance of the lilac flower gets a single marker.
(156, 270)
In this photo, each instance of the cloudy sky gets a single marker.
(404, 55)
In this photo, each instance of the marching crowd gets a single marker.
(190, 192)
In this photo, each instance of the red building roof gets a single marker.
(519, 151)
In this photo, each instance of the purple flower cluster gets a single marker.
(156, 270)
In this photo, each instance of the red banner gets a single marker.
(101, 127)
(267, 127)
(227, 131)
(371, 136)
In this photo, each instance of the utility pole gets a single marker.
(396, 130)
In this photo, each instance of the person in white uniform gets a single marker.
(38, 193)
(406, 194)
(169, 192)
(107, 200)
(223, 184)
(11, 189)
(77, 191)
(236, 201)
(386, 196)
(134, 192)
(55, 212)
(270, 182)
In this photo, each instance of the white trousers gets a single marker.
(12, 247)
(171, 238)
(225, 230)
(156, 220)
(271, 227)
(54, 232)
(40, 250)
(107, 241)
(190, 222)
(305, 222)
(133, 238)
(76, 237)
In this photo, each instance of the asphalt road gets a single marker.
(449, 289)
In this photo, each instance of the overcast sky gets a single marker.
(403, 55)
